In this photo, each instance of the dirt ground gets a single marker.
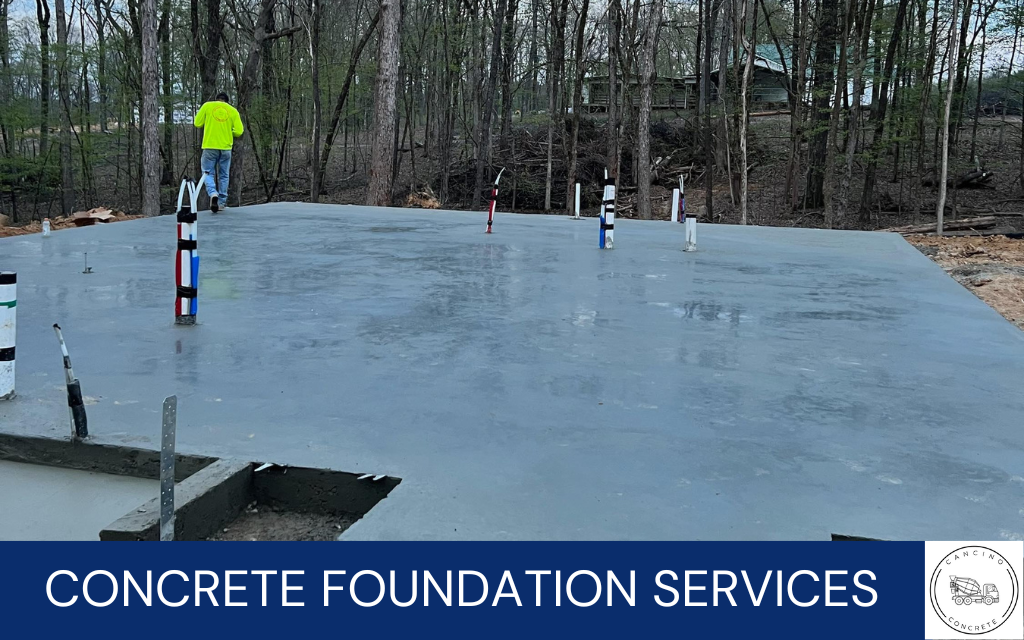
(991, 267)
(56, 224)
(259, 523)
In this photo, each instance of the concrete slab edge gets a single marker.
(88, 456)
(204, 503)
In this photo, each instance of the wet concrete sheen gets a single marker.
(50, 503)
(776, 384)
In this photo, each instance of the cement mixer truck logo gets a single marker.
(974, 590)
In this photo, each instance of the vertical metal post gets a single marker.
(167, 433)
(674, 214)
(8, 331)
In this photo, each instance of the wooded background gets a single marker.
(892, 110)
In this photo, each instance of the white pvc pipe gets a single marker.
(8, 330)
(577, 200)
(690, 232)
(675, 205)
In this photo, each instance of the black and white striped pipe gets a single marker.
(682, 198)
(76, 402)
(8, 331)
(186, 261)
(607, 240)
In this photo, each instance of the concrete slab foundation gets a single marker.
(775, 384)
(48, 503)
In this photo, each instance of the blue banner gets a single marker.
(479, 589)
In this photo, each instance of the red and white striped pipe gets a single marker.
(186, 262)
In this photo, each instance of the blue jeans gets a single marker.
(221, 159)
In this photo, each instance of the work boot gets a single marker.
(214, 204)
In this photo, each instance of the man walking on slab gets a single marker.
(221, 124)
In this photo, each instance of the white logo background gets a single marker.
(975, 567)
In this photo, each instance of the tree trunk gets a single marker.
(821, 111)
(67, 173)
(7, 81)
(339, 105)
(314, 75)
(577, 105)
(164, 34)
(961, 60)
(981, 77)
(614, 13)
(925, 81)
(211, 52)
(487, 104)
(1009, 71)
(507, 69)
(43, 17)
(246, 84)
(643, 132)
(150, 137)
(953, 45)
(101, 64)
(534, 58)
(748, 72)
(878, 116)
(710, 8)
(556, 56)
(382, 151)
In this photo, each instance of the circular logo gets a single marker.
(974, 590)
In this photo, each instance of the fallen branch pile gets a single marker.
(966, 224)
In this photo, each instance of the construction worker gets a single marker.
(221, 124)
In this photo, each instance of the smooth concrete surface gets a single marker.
(775, 384)
(50, 503)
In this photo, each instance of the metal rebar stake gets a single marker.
(167, 431)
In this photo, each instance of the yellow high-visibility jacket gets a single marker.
(220, 123)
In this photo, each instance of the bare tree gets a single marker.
(67, 174)
(879, 112)
(748, 72)
(164, 35)
(487, 107)
(43, 18)
(614, 27)
(101, 63)
(382, 152)
(150, 136)
(7, 80)
(577, 106)
(313, 27)
(643, 132)
(944, 172)
(556, 59)
(339, 105)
